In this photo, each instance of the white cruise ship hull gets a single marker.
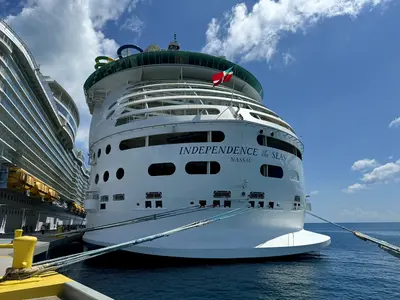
(163, 137)
(258, 234)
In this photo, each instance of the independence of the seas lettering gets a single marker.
(238, 153)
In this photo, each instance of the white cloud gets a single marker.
(379, 174)
(382, 173)
(65, 37)
(288, 59)
(354, 188)
(364, 164)
(395, 123)
(314, 193)
(133, 24)
(254, 35)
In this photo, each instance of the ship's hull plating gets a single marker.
(256, 234)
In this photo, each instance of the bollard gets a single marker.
(59, 231)
(18, 233)
(24, 248)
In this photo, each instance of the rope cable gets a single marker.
(183, 210)
(171, 213)
(64, 261)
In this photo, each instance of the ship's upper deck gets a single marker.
(207, 65)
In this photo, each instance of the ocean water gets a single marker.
(347, 269)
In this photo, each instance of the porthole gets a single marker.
(106, 175)
(98, 153)
(161, 169)
(108, 149)
(120, 173)
(96, 179)
(202, 167)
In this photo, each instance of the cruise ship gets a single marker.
(43, 177)
(166, 133)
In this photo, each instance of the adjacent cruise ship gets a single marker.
(43, 178)
(163, 136)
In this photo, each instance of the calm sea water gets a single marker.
(347, 269)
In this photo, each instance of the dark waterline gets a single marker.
(347, 269)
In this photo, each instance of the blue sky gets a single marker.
(333, 74)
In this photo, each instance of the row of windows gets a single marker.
(67, 115)
(197, 137)
(203, 203)
(169, 112)
(272, 142)
(38, 147)
(173, 138)
(42, 120)
(106, 175)
(195, 168)
(28, 113)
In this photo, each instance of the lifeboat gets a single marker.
(21, 181)
(40, 189)
(52, 195)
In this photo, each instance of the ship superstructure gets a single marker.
(43, 177)
(163, 137)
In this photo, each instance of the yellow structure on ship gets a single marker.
(21, 181)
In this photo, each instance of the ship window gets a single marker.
(203, 203)
(118, 197)
(153, 195)
(178, 138)
(161, 169)
(98, 153)
(261, 140)
(120, 173)
(256, 195)
(278, 144)
(271, 171)
(110, 114)
(147, 204)
(293, 175)
(202, 167)
(261, 204)
(217, 136)
(132, 143)
(251, 203)
(108, 149)
(227, 203)
(112, 105)
(271, 205)
(102, 206)
(104, 198)
(216, 203)
(158, 204)
(106, 175)
(272, 120)
(222, 194)
(96, 179)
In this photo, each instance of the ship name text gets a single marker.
(239, 154)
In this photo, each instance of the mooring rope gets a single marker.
(390, 248)
(165, 214)
(62, 262)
